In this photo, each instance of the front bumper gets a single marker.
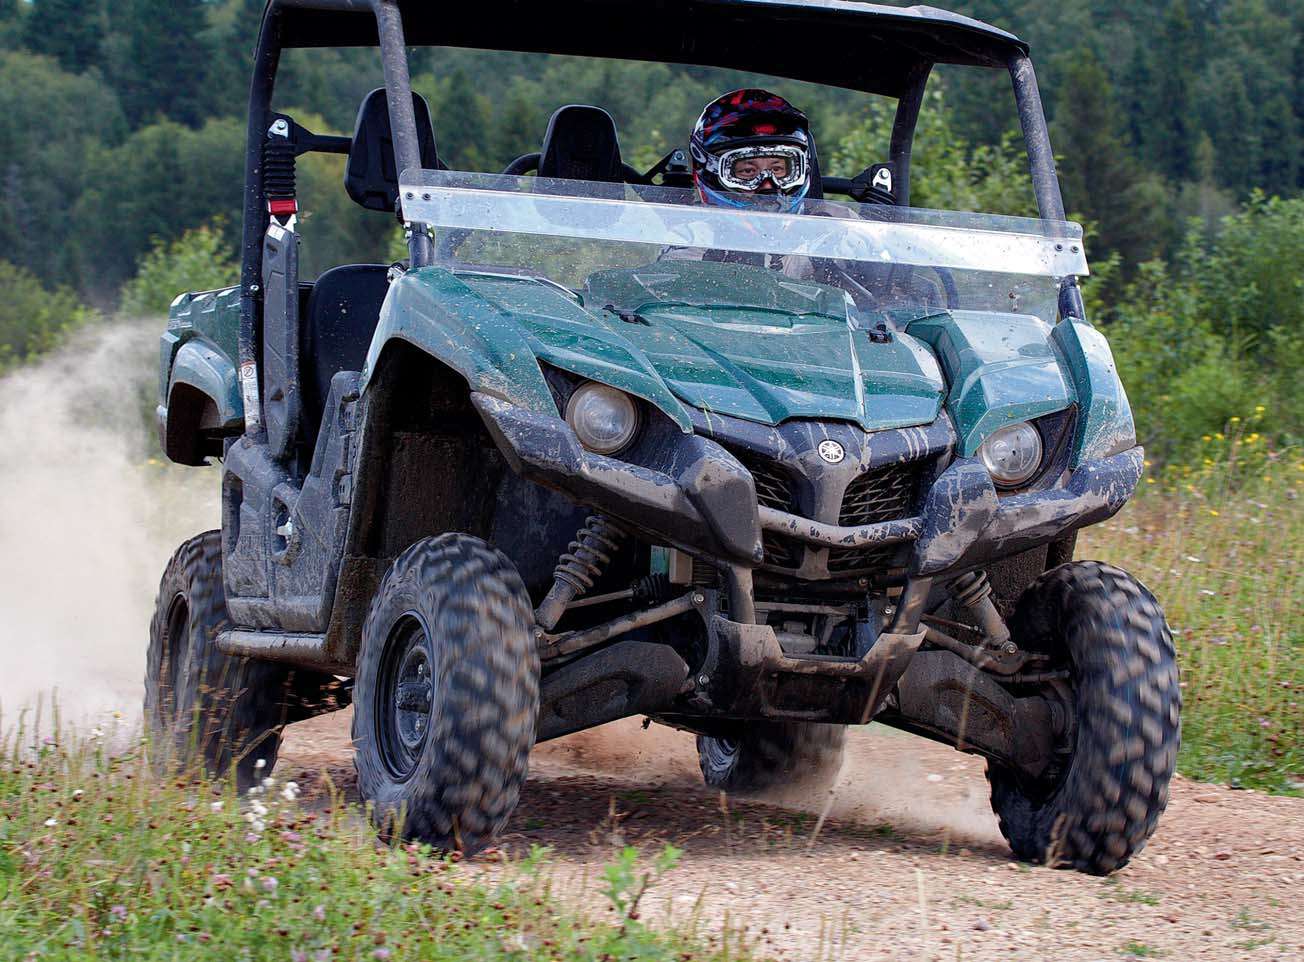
(689, 491)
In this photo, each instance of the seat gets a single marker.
(581, 144)
(340, 319)
(371, 174)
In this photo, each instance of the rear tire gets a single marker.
(1104, 800)
(203, 706)
(767, 754)
(447, 694)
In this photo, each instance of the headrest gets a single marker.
(371, 175)
(581, 144)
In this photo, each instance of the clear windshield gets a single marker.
(631, 246)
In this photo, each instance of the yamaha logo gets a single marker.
(832, 451)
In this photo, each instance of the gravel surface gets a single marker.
(906, 864)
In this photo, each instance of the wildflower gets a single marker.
(258, 808)
(1206, 437)
(270, 884)
(1150, 480)
(119, 912)
(319, 913)
(51, 822)
(97, 733)
(77, 794)
(380, 954)
(217, 806)
(1235, 419)
(261, 763)
(258, 825)
(290, 792)
(1206, 591)
(1219, 436)
(1213, 512)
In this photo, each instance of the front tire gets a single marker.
(759, 756)
(447, 694)
(1104, 800)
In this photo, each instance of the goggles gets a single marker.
(747, 168)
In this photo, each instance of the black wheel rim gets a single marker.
(405, 696)
(174, 650)
(721, 753)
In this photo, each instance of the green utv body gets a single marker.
(824, 468)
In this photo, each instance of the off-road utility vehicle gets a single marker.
(540, 476)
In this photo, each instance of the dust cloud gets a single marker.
(888, 778)
(89, 515)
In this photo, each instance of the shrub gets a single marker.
(33, 318)
(200, 260)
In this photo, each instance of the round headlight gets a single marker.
(604, 419)
(1012, 454)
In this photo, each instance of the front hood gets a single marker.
(765, 364)
(771, 369)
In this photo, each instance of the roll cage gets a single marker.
(875, 49)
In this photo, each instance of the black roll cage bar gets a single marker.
(991, 48)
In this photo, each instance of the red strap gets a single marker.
(282, 208)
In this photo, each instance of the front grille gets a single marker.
(774, 490)
(883, 494)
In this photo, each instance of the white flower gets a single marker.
(261, 763)
(258, 808)
(78, 793)
(258, 825)
(97, 733)
(268, 782)
(51, 822)
(217, 806)
(290, 792)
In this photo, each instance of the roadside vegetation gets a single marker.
(1221, 542)
(101, 859)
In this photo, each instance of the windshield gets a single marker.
(630, 247)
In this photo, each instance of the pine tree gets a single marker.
(68, 30)
(159, 59)
(1100, 179)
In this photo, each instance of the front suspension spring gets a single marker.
(579, 568)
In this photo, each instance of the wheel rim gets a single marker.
(721, 752)
(405, 696)
(178, 629)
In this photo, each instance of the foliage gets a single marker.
(199, 260)
(1221, 542)
(49, 122)
(1217, 332)
(100, 859)
(161, 181)
(948, 173)
(33, 319)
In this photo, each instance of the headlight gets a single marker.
(1012, 454)
(604, 419)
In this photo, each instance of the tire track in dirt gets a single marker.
(909, 863)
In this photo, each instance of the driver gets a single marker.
(752, 148)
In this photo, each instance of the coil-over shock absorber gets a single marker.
(279, 180)
(974, 591)
(579, 568)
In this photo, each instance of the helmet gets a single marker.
(752, 146)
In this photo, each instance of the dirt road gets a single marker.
(908, 864)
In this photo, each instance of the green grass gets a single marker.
(101, 860)
(1222, 547)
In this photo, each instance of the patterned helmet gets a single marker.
(751, 145)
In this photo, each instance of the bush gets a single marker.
(200, 260)
(33, 319)
(1218, 333)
